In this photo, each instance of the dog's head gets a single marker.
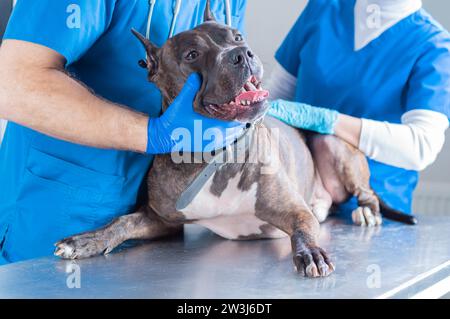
(231, 72)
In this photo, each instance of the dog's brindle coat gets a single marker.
(239, 202)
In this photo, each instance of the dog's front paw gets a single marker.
(82, 246)
(364, 216)
(313, 262)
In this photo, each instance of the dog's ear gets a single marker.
(151, 63)
(208, 15)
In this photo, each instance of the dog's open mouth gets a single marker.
(249, 96)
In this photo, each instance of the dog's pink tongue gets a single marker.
(252, 96)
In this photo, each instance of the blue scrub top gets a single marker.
(406, 68)
(50, 189)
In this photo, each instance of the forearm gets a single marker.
(348, 128)
(414, 144)
(49, 101)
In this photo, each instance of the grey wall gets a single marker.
(269, 21)
(267, 24)
(5, 9)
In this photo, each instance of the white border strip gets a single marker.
(436, 291)
(413, 281)
(3, 124)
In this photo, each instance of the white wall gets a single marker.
(267, 24)
(269, 21)
(2, 129)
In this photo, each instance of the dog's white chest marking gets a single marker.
(233, 227)
(241, 227)
(232, 201)
(232, 214)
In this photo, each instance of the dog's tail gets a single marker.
(396, 215)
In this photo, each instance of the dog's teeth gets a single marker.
(249, 86)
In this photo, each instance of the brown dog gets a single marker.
(247, 199)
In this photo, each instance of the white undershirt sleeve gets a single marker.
(412, 145)
(281, 84)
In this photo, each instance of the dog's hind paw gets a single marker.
(364, 216)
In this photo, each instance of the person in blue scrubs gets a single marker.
(376, 73)
(83, 120)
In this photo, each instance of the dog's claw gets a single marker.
(323, 269)
(332, 267)
(107, 251)
(324, 272)
(58, 252)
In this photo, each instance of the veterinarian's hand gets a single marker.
(182, 129)
(304, 116)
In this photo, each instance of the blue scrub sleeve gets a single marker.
(288, 55)
(240, 13)
(429, 83)
(70, 27)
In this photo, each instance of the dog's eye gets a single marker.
(192, 55)
(238, 38)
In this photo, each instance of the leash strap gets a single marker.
(197, 184)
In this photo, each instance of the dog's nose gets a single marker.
(240, 55)
(238, 59)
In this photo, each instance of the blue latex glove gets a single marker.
(304, 116)
(182, 129)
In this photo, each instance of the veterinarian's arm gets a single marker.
(414, 144)
(36, 92)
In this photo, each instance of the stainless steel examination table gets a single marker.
(394, 261)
